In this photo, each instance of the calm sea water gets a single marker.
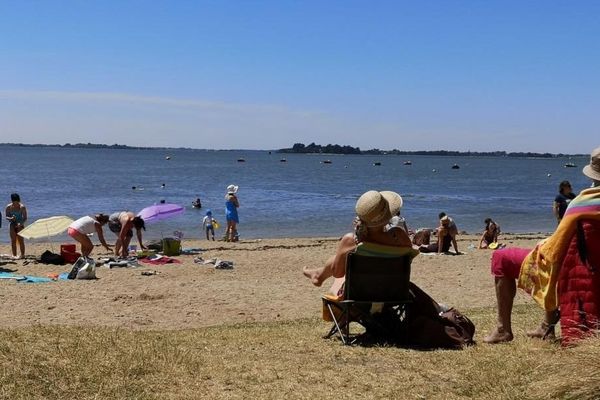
(300, 197)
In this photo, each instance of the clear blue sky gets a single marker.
(456, 75)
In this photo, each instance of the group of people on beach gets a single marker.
(374, 212)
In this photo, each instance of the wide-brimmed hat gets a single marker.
(592, 170)
(373, 209)
(232, 189)
(394, 200)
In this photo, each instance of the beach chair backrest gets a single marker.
(377, 279)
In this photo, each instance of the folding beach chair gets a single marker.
(377, 280)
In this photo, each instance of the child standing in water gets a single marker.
(208, 224)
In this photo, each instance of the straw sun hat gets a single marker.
(376, 208)
(592, 170)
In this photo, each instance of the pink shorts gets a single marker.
(507, 262)
(72, 232)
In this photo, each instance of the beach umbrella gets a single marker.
(46, 227)
(159, 212)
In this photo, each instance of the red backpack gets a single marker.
(579, 284)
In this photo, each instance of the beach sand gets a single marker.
(266, 284)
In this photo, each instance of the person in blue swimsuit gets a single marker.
(231, 214)
(16, 214)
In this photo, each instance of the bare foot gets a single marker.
(499, 335)
(313, 275)
(544, 332)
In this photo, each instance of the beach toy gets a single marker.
(493, 245)
(215, 224)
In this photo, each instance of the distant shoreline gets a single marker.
(316, 149)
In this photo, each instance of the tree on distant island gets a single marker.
(337, 149)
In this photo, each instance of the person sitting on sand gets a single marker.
(490, 234)
(446, 236)
(84, 226)
(122, 224)
(537, 270)
(373, 215)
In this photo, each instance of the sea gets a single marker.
(283, 195)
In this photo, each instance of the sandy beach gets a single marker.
(266, 284)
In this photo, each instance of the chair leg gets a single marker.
(336, 328)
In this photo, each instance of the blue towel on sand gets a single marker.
(24, 278)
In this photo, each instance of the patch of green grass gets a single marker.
(269, 361)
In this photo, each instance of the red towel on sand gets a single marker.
(160, 261)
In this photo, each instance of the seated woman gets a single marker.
(373, 214)
(537, 270)
(490, 234)
(445, 238)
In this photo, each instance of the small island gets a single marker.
(313, 148)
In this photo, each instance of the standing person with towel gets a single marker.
(231, 214)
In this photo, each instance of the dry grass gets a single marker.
(282, 360)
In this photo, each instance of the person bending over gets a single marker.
(122, 224)
(84, 226)
(537, 270)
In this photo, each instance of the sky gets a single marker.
(418, 75)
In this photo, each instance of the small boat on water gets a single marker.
(167, 157)
(241, 160)
(283, 160)
(455, 166)
(326, 161)
(407, 162)
(377, 163)
(570, 165)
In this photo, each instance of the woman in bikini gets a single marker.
(16, 214)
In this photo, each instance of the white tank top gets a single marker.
(85, 225)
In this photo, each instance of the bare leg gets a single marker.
(125, 248)
(319, 275)
(13, 240)
(506, 288)
(118, 245)
(21, 242)
(86, 244)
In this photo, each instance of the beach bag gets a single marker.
(84, 268)
(430, 326)
(171, 247)
(49, 257)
